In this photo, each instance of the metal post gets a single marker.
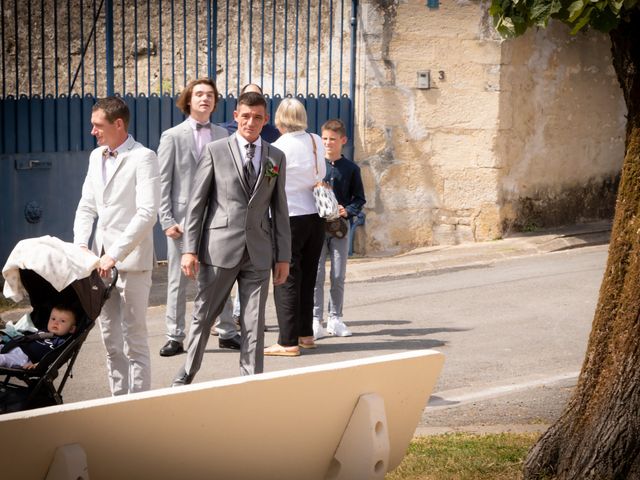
(109, 46)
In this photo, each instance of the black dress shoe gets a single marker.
(182, 379)
(233, 343)
(171, 348)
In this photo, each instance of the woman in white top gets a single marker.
(305, 166)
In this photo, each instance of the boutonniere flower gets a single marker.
(272, 170)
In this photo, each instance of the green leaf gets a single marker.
(586, 16)
(505, 27)
(575, 10)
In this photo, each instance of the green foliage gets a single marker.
(513, 17)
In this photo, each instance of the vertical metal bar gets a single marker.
(226, 49)
(173, 54)
(341, 43)
(330, 44)
(69, 49)
(135, 47)
(295, 68)
(161, 89)
(184, 42)
(308, 44)
(273, 51)
(352, 69)
(209, 74)
(82, 46)
(262, 49)
(319, 45)
(4, 77)
(214, 60)
(250, 63)
(108, 28)
(55, 44)
(15, 32)
(148, 49)
(95, 52)
(195, 47)
(124, 60)
(239, 40)
(44, 85)
(284, 29)
(30, 53)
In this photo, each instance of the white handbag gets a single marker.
(326, 202)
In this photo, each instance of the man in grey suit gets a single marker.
(178, 154)
(236, 228)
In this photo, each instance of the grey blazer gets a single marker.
(223, 217)
(178, 160)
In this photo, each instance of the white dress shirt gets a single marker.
(301, 170)
(109, 162)
(201, 136)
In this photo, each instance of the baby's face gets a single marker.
(61, 322)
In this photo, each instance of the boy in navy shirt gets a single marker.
(344, 176)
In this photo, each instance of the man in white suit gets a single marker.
(178, 154)
(236, 228)
(121, 190)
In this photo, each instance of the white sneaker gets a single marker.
(336, 327)
(318, 330)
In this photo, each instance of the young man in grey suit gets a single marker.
(178, 154)
(236, 228)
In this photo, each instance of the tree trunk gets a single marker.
(598, 435)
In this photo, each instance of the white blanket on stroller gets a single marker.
(58, 262)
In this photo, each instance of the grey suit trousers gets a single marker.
(214, 286)
(177, 297)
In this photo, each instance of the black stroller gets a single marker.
(24, 389)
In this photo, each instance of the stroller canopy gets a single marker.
(58, 264)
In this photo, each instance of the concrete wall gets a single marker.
(258, 426)
(513, 134)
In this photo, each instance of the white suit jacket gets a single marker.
(126, 207)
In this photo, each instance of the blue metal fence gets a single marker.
(58, 56)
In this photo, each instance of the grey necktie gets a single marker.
(249, 170)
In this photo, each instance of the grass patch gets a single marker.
(463, 456)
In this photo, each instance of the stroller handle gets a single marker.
(112, 284)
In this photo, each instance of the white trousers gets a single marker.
(123, 323)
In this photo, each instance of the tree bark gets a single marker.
(598, 435)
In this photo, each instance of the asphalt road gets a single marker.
(514, 333)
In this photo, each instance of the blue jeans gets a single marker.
(338, 251)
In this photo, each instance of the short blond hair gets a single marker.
(291, 116)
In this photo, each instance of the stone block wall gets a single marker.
(505, 125)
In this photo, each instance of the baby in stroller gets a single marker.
(59, 279)
(26, 350)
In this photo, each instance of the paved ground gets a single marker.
(530, 406)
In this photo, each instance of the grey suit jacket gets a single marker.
(178, 160)
(223, 217)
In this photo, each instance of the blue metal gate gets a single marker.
(58, 56)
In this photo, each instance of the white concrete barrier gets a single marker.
(291, 424)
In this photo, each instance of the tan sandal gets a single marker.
(277, 350)
(307, 342)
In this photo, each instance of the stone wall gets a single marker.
(562, 129)
(508, 130)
